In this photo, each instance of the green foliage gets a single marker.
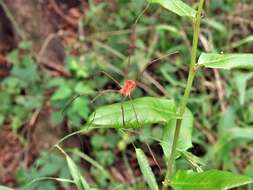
(48, 164)
(16, 98)
(104, 155)
(76, 175)
(241, 80)
(146, 170)
(209, 180)
(105, 47)
(61, 99)
(79, 180)
(5, 188)
(185, 136)
(176, 6)
(136, 113)
(226, 61)
(229, 136)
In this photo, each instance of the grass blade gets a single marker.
(80, 182)
(146, 170)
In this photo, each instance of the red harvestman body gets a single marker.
(127, 88)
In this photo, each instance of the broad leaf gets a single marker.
(185, 136)
(226, 61)
(208, 180)
(146, 170)
(136, 113)
(64, 91)
(176, 6)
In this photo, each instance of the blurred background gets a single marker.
(52, 50)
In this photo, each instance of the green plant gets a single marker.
(16, 98)
(48, 164)
(153, 110)
(106, 51)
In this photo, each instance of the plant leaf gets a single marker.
(5, 188)
(149, 110)
(247, 40)
(176, 6)
(226, 61)
(240, 133)
(146, 170)
(241, 80)
(208, 180)
(76, 175)
(185, 136)
(64, 91)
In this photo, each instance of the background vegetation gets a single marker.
(101, 35)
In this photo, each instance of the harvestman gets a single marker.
(128, 87)
(125, 90)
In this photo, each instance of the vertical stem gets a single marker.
(183, 103)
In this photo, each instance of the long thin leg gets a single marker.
(70, 102)
(111, 77)
(74, 133)
(155, 60)
(135, 113)
(134, 33)
(142, 13)
(122, 112)
(150, 150)
(153, 157)
(100, 93)
(138, 133)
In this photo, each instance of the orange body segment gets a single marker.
(128, 87)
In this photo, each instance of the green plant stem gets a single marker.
(183, 103)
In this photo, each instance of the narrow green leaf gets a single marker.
(215, 25)
(208, 180)
(185, 136)
(80, 182)
(194, 161)
(241, 80)
(94, 163)
(247, 40)
(76, 175)
(27, 186)
(146, 170)
(138, 112)
(176, 6)
(5, 188)
(226, 61)
(235, 133)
